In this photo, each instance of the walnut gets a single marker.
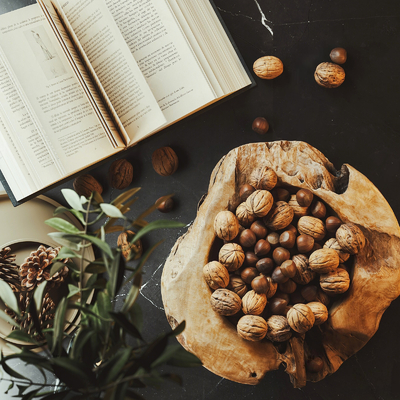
(254, 303)
(268, 67)
(225, 302)
(300, 317)
(231, 255)
(120, 174)
(226, 225)
(350, 238)
(333, 244)
(165, 161)
(237, 285)
(304, 274)
(298, 210)
(130, 251)
(335, 282)
(259, 203)
(320, 312)
(329, 75)
(216, 275)
(278, 328)
(263, 178)
(251, 327)
(323, 261)
(243, 215)
(311, 226)
(84, 185)
(280, 216)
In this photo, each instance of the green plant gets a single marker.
(106, 356)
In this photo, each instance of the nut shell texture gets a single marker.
(120, 174)
(336, 282)
(278, 329)
(225, 302)
(84, 185)
(329, 75)
(216, 275)
(323, 261)
(350, 238)
(320, 312)
(226, 225)
(231, 255)
(304, 274)
(333, 244)
(259, 203)
(268, 67)
(252, 327)
(300, 318)
(311, 226)
(263, 178)
(254, 303)
(243, 215)
(280, 217)
(165, 161)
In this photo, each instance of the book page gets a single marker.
(114, 66)
(163, 55)
(67, 124)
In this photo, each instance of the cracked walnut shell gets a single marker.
(300, 318)
(225, 302)
(259, 203)
(268, 67)
(231, 255)
(216, 275)
(252, 327)
(130, 251)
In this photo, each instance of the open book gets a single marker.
(81, 80)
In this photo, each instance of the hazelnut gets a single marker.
(332, 224)
(165, 206)
(259, 203)
(291, 228)
(280, 217)
(280, 194)
(323, 261)
(296, 298)
(315, 364)
(288, 287)
(252, 327)
(247, 238)
(322, 297)
(278, 277)
(298, 210)
(304, 274)
(265, 265)
(260, 125)
(273, 239)
(318, 210)
(329, 75)
(216, 275)
(320, 312)
(84, 185)
(260, 284)
(335, 282)
(273, 287)
(248, 274)
(263, 178)
(338, 55)
(333, 244)
(287, 239)
(130, 251)
(259, 229)
(288, 268)
(278, 329)
(277, 306)
(165, 161)
(231, 256)
(254, 303)
(309, 292)
(304, 243)
(120, 174)
(250, 259)
(311, 226)
(268, 67)
(245, 191)
(243, 215)
(304, 197)
(350, 238)
(237, 285)
(283, 296)
(300, 318)
(226, 225)
(280, 255)
(225, 302)
(262, 248)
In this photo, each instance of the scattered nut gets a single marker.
(260, 125)
(280, 217)
(129, 251)
(120, 174)
(166, 206)
(338, 55)
(84, 185)
(333, 244)
(165, 161)
(335, 282)
(252, 327)
(311, 226)
(329, 75)
(268, 67)
(243, 215)
(237, 285)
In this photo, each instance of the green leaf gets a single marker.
(8, 297)
(35, 318)
(56, 396)
(133, 294)
(62, 225)
(65, 239)
(184, 359)
(59, 321)
(94, 268)
(160, 224)
(81, 339)
(121, 320)
(55, 267)
(124, 196)
(7, 318)
(10, 386)
(117, 363)
(111, 211)
(65, 252)
(73, 290)
(104, 305)
(166, 355)
(72, 199)
(38, 295)
(8, 370)
(178, 330)
(103, 246)
(73, 373)
(173, 378)
(136, 316)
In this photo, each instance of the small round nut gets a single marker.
(254, 303)
(320, 312)
(226, 225)
(335, 282)
(268, 67)
(243, 215)
(333, 244)
(263, 178)
(245, 191)
(130, 251)
(216, 275)
(298, 210)
(280, 217)
(262, 248)
(84, 185)
(329, 75)
(305, 243)
(120, 174)
(300, 318)
(311, 226)
(350, 238)
(237, 285)
(260, 125)
(225, 302)
(338, 55)
(260, 284)
(231, 256)
(323, 261)
(318, 210)
(278, 329)
(259, 229)
(165, 206)
(259, 203)
(165, 161)
(252, 327)
(247, 238)
(304, 197)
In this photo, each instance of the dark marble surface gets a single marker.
(357, 123)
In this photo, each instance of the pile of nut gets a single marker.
(285, 257)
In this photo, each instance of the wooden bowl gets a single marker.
(353, 319)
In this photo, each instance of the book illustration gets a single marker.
(45, 53)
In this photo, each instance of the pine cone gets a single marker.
(36, 269)
(9, 270)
